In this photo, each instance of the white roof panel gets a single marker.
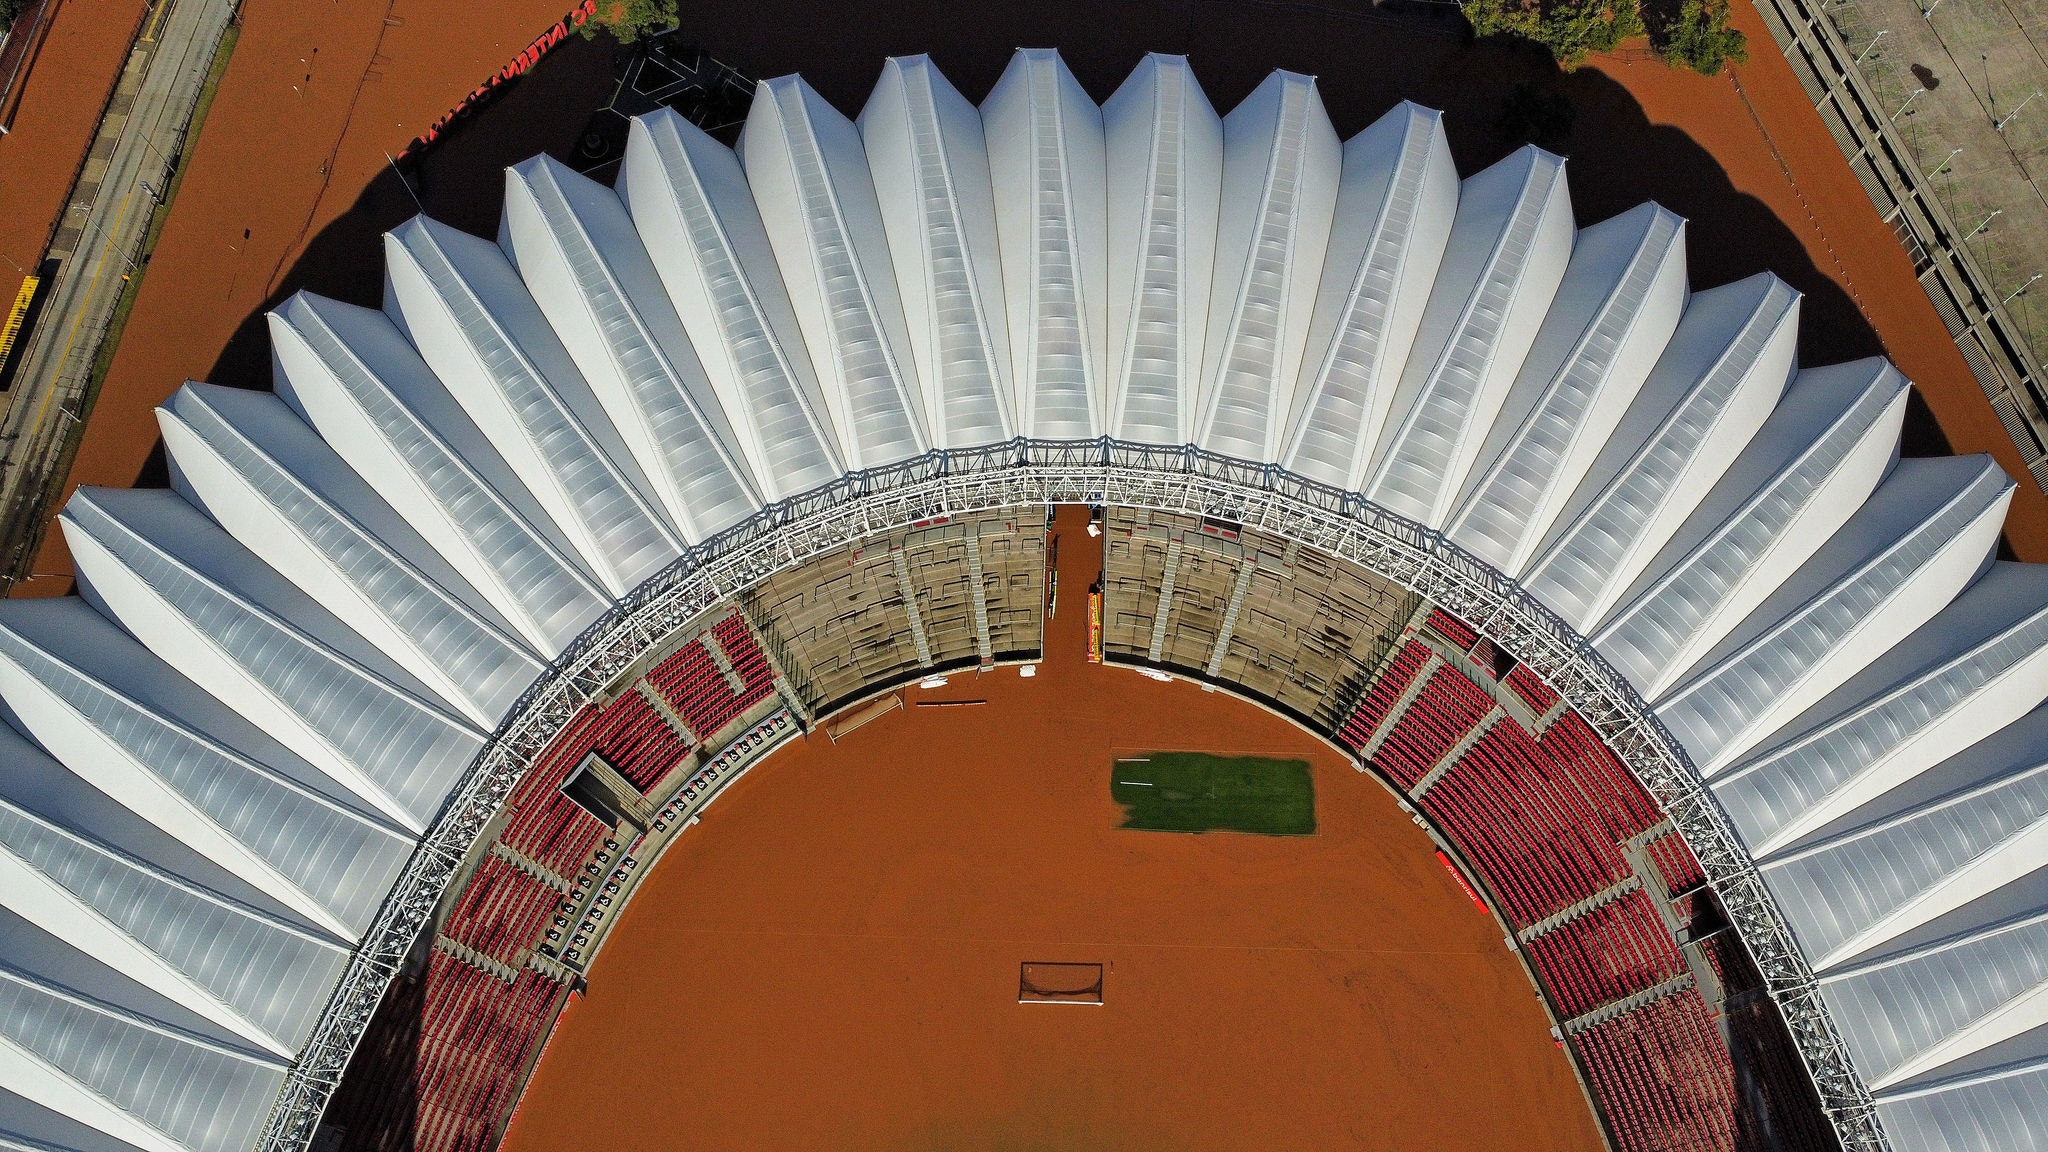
(1813, 463)
(142, 735)
(1724, 369)
(1281, 165)
(929, 161)
(689, 200)
(350, 373)
(1508, 250)
(1046, 157)
(583, 262)
(243, 458)
(1925, 534)
(215, 613)
(1614, 311)
(1395, 204)
(1165, 158)
(1978, 665)
(809, 175)
(460, 302)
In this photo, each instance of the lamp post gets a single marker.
(2015, 293)
(1872, 46)
(1907, 104)
(2001, 123)
(1943, 166)
(1986, 222)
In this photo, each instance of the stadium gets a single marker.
(362, 736)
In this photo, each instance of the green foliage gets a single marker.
(1686, 33)
(628, 20)
(1570, 29)
(9, 9)
(1198, 792)
(1699, 38)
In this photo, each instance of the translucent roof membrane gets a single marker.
(237, 454)
(585, 266)
(1395, 203)
(827, 232)
(1617, 306)
(1813, 462)
(1922, 537)
(270, 974)
(1508, 250)
(682, 188)
(382, 742)
(929, 161)
(1723, 370)
(1046, 157)
(1995, 1113)
(207, 1098)
(1977, 666)
(125, 719)
(461, 304)
(1165, 146)
(1899, 1008)
(1281, 164)
(351, 375)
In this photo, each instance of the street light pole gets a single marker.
(1872, 46)
(1943, 166)
(1907, 104)
(1986, 222)
(2022, 288)
(2001, 123)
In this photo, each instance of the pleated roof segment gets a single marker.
(217, 761)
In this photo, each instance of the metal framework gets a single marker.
(1025, 472)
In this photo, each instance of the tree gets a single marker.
(1699, 38)
(1570, 29)
(628, 20)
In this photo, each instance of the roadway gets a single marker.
(98, 241)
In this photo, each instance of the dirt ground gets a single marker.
(1327, 991)
(290, 185)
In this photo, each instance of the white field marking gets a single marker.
(1028, 670)
(1084, 1003)
(1135, 783)
(1134, 759)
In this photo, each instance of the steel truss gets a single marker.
(1023, 472)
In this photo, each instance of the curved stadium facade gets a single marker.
(355, 734)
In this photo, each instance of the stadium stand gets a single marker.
(1285, 625)
(956, 593)
(1540, 697)
(1662, 1076)
(462, 1028)
(639, 741)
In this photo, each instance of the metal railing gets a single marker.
(1029, 472)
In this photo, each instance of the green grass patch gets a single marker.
(1198, 792)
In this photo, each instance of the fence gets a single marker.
(1984, 332)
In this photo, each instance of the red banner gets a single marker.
(1095, 627)
(520, 65)
(1462, 882)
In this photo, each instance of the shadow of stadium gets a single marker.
(1365, 60)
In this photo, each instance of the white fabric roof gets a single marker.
(218, 759)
